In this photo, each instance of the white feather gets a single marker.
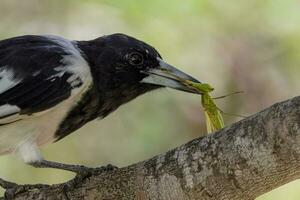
(8, 110)
(28, 151)
(6, 79)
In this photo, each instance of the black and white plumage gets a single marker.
(41, 79)
(51, 86)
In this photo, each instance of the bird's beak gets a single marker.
(168, 76)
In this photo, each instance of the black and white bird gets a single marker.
(51, 86)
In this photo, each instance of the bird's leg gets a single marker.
(81, 171)
(78, 169)
(30, 153)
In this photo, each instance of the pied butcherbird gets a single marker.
(51, 86)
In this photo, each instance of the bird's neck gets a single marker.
(111, 92)
(91, 50)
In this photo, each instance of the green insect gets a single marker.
(214, 119)
(213, 116)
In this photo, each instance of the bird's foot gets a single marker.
(12, 189)
(83, 172)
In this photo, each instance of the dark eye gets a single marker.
(135, 58)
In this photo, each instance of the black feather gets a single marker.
(32, 60)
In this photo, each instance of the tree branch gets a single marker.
(242, 161)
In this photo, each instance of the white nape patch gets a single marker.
(74, 63)
(65, 43)
(8, 109)
(6, 79)
(28, 151)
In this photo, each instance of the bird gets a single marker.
(51, 86)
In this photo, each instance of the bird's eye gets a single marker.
(135, 58)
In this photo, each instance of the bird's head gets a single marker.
(127, 67)
(130, 62)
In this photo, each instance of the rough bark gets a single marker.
(240, 162)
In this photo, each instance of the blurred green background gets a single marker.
(253, 46)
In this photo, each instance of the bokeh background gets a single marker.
(251, 46)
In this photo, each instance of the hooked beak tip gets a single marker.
(169, 76)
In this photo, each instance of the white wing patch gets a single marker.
(7, 80)
(8, 110)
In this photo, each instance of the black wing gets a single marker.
(31, 75)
